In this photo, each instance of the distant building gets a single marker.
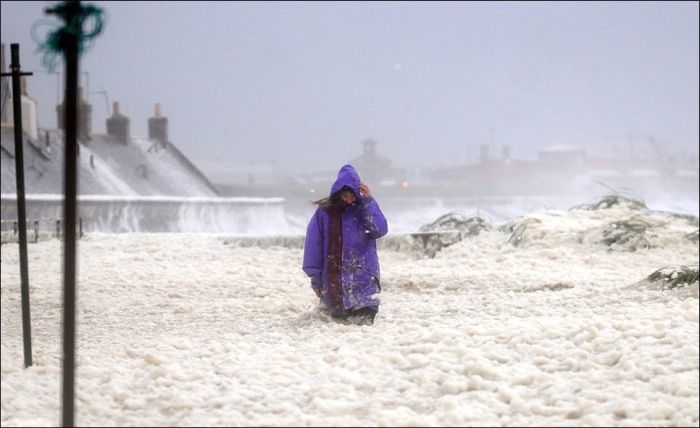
(373, 167)
(559, 169)
(562, 157)
(108, 164)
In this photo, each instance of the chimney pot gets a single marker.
(84, 116)
(118, 125)
(158, 127)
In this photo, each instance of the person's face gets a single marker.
(348, 197)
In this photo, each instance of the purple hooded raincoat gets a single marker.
(362, 223)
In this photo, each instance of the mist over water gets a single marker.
(409, 214)
(280, 215)
(153, 214)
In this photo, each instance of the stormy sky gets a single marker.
(300, 85)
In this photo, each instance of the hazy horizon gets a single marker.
(300, 85)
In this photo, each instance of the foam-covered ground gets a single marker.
(189, 330)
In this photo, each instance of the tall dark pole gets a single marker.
(69, 40)
(70, 184)
(70, 215)
(21, 207)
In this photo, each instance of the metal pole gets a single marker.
(73, 14)
(70, 215)
(69, 251)
(21, 207)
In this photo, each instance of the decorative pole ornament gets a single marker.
(75, 16)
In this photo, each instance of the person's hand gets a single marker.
(365, 190)
(318, 292)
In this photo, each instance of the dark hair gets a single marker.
(330, 200)
(323, 202)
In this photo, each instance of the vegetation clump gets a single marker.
(626, 235)
(448, 229)
(675, 276)
(520, 230)
(689, 218)
(612, 200)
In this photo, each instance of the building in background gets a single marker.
(115, 163)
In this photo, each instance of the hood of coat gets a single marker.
(347, 176)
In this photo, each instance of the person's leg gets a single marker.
(341, 317)
(364, 316)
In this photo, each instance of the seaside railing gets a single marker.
(42, 228)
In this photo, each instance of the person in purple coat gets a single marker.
(340, 250)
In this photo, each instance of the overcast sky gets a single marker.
(301, 84)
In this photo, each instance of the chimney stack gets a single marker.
(118, 125)
(505, 150)
(84, 116)
(158, 127)
(30, 123)
(4, 89)
(484, 152)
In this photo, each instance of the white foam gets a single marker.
(184, 330)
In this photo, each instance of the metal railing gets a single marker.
(48, 227)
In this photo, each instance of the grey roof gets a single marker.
(105, 166)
